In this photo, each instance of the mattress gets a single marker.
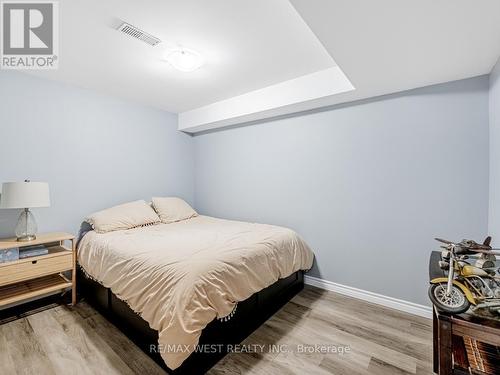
(180, 276)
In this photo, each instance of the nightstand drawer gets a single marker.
(36, 267)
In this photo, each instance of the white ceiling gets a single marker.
(382, 46)
(247, 45)
(275, 100)
(387, 46)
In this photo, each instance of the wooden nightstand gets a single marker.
(465, 344)
(36, 276)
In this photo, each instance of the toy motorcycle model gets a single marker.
(465, 283)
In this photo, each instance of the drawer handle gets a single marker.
(34, 261)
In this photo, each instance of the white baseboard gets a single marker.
(379, 299)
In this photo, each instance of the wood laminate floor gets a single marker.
(78, 340)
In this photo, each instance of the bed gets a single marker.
(173, 288)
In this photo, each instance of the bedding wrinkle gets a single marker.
(180, 276)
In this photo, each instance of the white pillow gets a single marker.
(124, 216)
(172, 209)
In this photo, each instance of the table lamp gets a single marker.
(25, 195)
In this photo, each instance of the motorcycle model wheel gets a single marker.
(455, 303)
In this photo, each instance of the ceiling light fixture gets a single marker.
(184, 59)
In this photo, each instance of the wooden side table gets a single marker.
(40, 275)
(466, 344)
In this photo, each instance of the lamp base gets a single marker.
(26, 238)
(26, 227)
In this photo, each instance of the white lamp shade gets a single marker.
(24, 195)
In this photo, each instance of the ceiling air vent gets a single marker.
(136, 33)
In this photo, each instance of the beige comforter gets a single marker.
(181, 276)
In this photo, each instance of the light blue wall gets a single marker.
(95, 151)
(367, 185)
(494, 105)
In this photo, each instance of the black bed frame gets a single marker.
(249, 315)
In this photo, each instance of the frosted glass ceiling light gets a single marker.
(183, 59)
